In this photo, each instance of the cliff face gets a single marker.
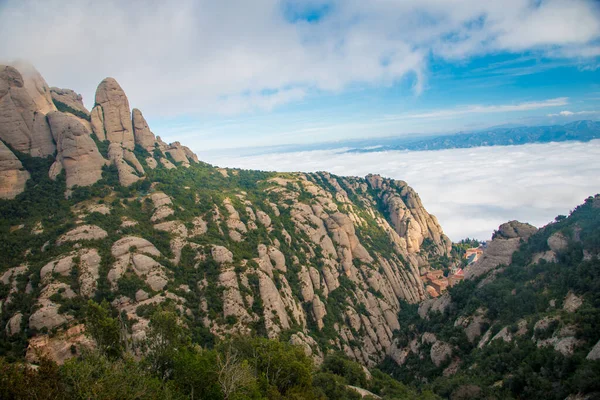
(320, 260)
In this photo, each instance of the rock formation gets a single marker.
(499, 251)
(23, 123)
(77, 152)
(111, 116)
(143, 136)
(328, 257)
(71, 101)
(12, 175)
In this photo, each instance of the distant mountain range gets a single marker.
(582, 131)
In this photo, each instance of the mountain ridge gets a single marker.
(107, 211)
(583, 131)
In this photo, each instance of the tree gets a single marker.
(233, 374)
(166, 337)
(104, 329)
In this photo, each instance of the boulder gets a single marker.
(77, 151)
(13, 176)
(47, 317)
(13, 326)
(440, 351)
(221, 254)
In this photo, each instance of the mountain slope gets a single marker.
(524, 324)
(108, 211)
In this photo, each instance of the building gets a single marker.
(456, 277)
(439, 285)
(473, 254)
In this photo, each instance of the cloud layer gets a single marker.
(183, 56)
(471, 191)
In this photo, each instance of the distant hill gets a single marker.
(582, 131)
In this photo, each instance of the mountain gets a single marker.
(582, 131)
(131, 269)
(95, 206)
(523, 324)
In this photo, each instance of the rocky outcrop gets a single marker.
(594, 353)
(13, 176)
(111, 117)
(60, 347)
(83, 232)
(408, 216)
(13, 326)
(23, 123)
(69, 101)
(77, 154)
(572, 302)
(137, 261)
(143, 136)
(123, 159)
(36, 86)
(440, 352)
(505, 242)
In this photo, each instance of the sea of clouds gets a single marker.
(470, 191)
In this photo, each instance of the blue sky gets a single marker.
(236, 74)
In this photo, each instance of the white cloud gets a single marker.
(188, 56)
(567, 113)
(471, 191)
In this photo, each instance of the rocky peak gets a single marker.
(36, 86)
(143, 136)
(408, 216)
(515, 229)
(505, 242)
(23, 123)
(111, 112)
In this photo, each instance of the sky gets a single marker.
(470, 191)
(238, 73)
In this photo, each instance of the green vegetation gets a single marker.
(525, 291)
(60, 106)
(173, 367)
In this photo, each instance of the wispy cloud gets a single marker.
(482, 109)
(567, 113)
(471, 191)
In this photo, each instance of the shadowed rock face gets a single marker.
(143, 136)
(112, 113)
(12, 175)
(22, 120)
